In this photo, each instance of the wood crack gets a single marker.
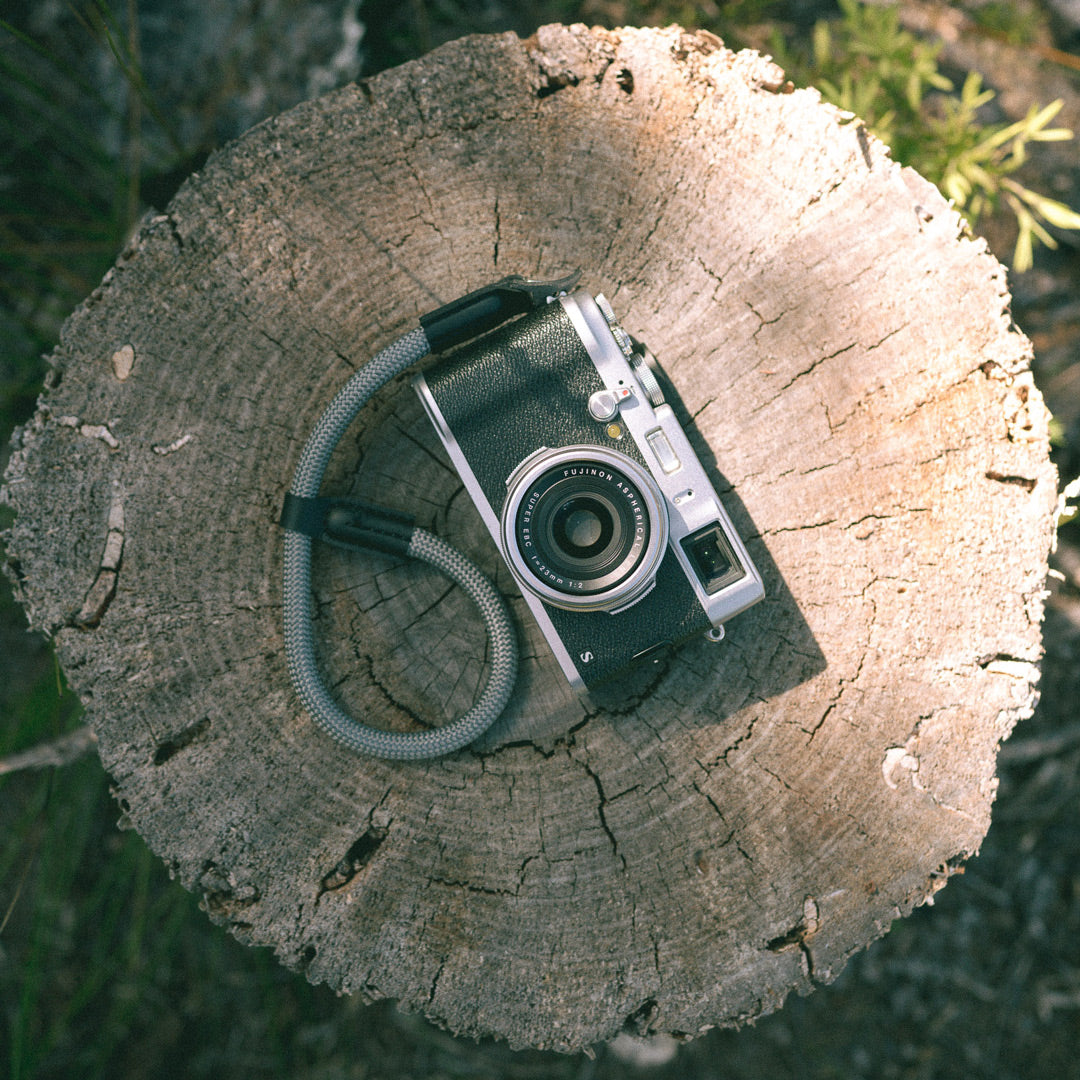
(602, 812)
(799, 935)
(103, 588)
(359, 855)
(170, 747)
(1026, 482)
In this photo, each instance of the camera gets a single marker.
(558, 427)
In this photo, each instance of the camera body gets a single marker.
(604, 515)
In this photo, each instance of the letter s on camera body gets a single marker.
(557, 425)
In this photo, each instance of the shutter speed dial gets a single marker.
(624, 340)
(637, 353)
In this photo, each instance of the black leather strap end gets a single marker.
(482, 310)
(348, 523)
(305, 516)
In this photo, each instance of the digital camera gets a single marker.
(557, 425)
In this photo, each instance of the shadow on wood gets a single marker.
(848, 364)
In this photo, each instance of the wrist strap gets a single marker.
(305, 517)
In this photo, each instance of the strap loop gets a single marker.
(348, 523)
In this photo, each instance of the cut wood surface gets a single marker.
(846, 362)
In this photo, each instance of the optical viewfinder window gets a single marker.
(712, 559)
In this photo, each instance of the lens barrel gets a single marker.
(584, 528)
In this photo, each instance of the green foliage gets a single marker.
(64, 200)
(869, 65)
(1016, 23)
(975, 165)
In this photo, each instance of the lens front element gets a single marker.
(576, 535)
(584, 528)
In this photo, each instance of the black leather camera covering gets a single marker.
(526, 386)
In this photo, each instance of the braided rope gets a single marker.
(299, 640)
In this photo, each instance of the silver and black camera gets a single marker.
(557, 425)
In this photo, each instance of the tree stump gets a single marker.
(847, 366)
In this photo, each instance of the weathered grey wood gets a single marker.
(770, 806)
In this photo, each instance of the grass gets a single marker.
(110, 969)
(867, 63)
(118, 973)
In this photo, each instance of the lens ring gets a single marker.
(583, 527)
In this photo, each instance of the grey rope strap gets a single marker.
(307, 516)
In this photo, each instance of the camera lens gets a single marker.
(574, 529)
(581, 526)
(584, 528)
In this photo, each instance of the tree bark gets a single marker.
(847, 366)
